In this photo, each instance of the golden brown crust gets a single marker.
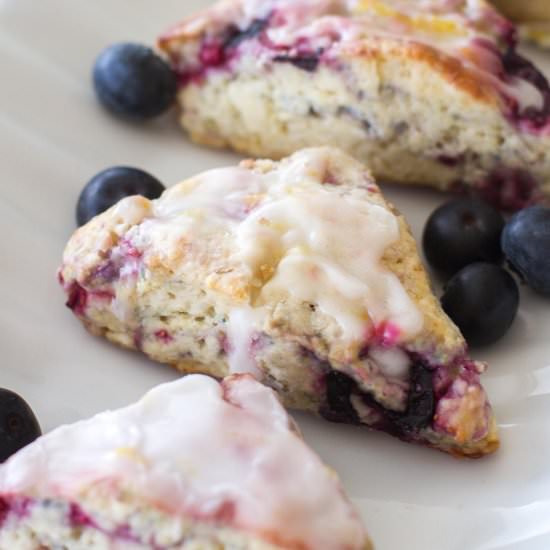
(403, 259)
(446, 66)
(477, 449)
(488, 445)
(469, 80)
(195, 26)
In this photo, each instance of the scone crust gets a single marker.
(368, 48)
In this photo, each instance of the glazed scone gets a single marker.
(533, 16)
(298, 272)
(430, 92)
(194, 465)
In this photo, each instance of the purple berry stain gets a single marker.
(164, 336)
(212, 54)
(385, 334)
(516, 66)
(79, 518)
(510, 189)
(4, 510)
(107, 272)
(451, 161)
(138, 338)
(18, 506)
(217, 52)
(78, 299)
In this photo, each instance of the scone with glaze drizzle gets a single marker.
(428, 92)
(298, 272)
(194, 465)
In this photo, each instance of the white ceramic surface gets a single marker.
(54, 137)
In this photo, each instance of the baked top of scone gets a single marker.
(313, 228)
(224, 455)
(429, 93)
(467, 41)
(298, 272)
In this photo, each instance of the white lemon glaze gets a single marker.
(299, 239)
(197, 447)
(311, 230)
(295, 238)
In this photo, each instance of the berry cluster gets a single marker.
(466, 241)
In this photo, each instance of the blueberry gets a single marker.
(461, 232)
(526, 245)
(18, 425)
(482, 299)
(421, 400)
(109, 186)
(306, 62)
(339, 390)
(133, 81)
(236, 37)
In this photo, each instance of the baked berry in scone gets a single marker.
(427, 92)
(298, 272)
(194, 465)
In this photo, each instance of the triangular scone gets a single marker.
(194, 465)
(298, 272)
(427, 92)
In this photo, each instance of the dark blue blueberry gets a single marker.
(482, 299)
(108, 187)
(339, 389)
(421, 401)
(461, 232)
(451, 160)
(133, 81)
(526, 245)
(509, 189)
(237, 36)
(18, 425)
(305, 62)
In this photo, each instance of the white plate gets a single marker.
(54, 137)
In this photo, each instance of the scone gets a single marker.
(194, 465)
(298, 272)
(533, 16)
(428, 92)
